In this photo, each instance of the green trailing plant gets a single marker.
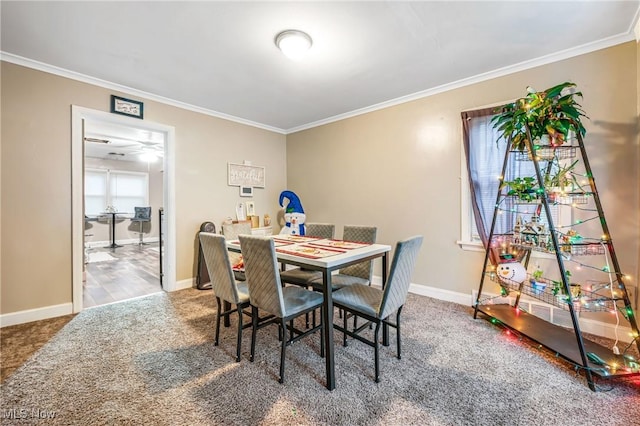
(558, 288)
(553, 112)
(562, 177)
(525, 188)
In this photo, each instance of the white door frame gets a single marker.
(78, 116)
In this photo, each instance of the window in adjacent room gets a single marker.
(121, 189)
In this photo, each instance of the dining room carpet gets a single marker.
(152, 361)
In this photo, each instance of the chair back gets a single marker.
(216, 256)
(321, 230)
(142, 213)
(263, 278)
(361, 234)
(397, 287)
(232, 230)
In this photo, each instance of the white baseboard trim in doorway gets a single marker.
(37, 314)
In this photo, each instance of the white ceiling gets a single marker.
(220, 57)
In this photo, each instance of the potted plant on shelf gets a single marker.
(537, 284)
(551, 114)
(525, 188)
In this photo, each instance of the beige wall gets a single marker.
(36, 179)
(399, 168)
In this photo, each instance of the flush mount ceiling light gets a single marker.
(293, 43)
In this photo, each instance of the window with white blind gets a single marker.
(121, 189)
(483, 167)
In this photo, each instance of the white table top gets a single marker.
(329, 262)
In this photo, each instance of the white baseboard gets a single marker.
(93, 244)
(37, 314)
(182, 284)
(591, 326)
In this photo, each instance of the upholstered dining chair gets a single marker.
(301, 276)
(231, 232)
(376, 305)
(225, 287)
(360, 273)
(267, 293)
(141, 215)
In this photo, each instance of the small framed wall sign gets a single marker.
(126, 107)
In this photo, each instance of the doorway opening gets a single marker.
(110, 247)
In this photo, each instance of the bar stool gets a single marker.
(141, 215)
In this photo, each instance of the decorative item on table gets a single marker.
(255, 221)
(267, 220)
(110, 209)
(238, 265)
(240, 214)
(294, 214)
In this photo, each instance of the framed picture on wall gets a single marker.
(127, 107)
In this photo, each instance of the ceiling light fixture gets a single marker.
(148, 156)
(294, 43)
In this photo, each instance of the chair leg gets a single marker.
(254, 329)
(376, 350)
(215, 342)
(398, 331)
(239, 341)
(344, 325)
(284, 345)
(322, 326)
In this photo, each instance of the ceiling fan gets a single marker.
(113, 148)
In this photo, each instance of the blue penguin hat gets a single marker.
(294, 206)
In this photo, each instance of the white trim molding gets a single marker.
(37, 314)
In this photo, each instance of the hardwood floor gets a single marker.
(132, 272)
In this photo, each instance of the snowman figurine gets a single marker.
(294, 216)
(511, 272)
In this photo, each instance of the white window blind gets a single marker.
(123, 190)
(486, 158)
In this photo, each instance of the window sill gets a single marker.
(470, 245)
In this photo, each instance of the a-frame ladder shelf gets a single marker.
(560, 340)
(598, 290)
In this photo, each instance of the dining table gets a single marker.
(112, 233)
(326, 256)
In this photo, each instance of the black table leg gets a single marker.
(385, 272)
(113, 232)
(327, 318)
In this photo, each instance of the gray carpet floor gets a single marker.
(152, 361)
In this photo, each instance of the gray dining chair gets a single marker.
(301, 276)
(224, 285)
(267, 293)
(231, 232)
(360, 273)
(376, 305)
